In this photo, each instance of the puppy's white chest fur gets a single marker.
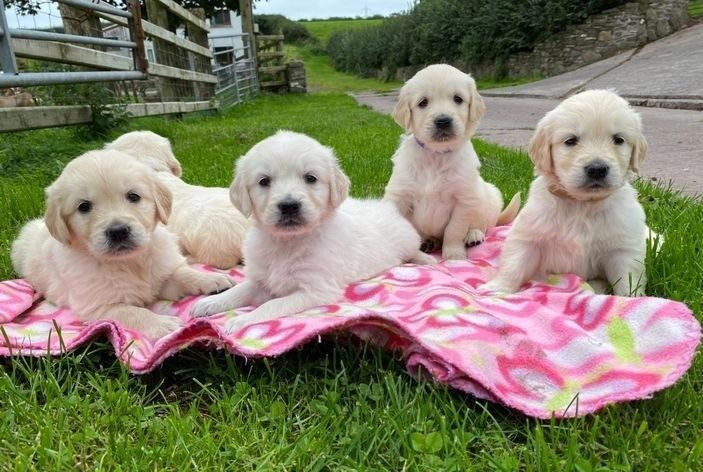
(434, 182)
(133, 283)
(577, 237)
(359, 240)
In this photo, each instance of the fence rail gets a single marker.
(182, 67)
(270, 55)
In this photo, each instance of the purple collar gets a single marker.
(423, 146)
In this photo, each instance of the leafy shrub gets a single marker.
(294, 32)
(457, 30)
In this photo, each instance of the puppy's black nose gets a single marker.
(597, 170)
(289, 207)
(118, 233)
(443, 122)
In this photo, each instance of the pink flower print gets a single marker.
(15, 297)
(528, 377)
(270, 336)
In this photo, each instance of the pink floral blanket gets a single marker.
(554, 348)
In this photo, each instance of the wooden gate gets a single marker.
(182, 66)
(270, 61)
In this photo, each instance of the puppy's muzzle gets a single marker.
(119, 238)
(444, 127)
(596, 173)
(289, 212)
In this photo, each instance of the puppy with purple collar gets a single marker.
(435, 181)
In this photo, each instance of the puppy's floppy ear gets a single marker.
(339, 184)
(55, 221)
(402, 113)
(173, 165)
(239, 193)
(476, 107)
(540, 150)
(162, 198)
(639, 152)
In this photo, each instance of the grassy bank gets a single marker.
(331, 405)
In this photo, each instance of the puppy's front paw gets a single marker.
(159, 326)
(238, 322)
(212, 282)
(474, 237)
(211, 305)
(494, 286)
(457, 253)
(423, 259)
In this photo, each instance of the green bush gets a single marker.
(294, 32)
(472, 31)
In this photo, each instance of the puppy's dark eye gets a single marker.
(458, 100)
(423, 103)
(85, 206)
(133, 197)
(572, 141)
(311, 179)
(265, 182)
(617, 139)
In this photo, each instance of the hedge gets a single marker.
(472, 31)
(294, 32)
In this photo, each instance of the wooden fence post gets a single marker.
(81, 22)
(203, 91)
(247, 15)
(164, 51)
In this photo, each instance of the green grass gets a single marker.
(695, 9)
(322, 30)
(322, 77)
(332, 405)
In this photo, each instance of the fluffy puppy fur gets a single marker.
(582, 215)
(308, 241)
(101, 249)
(209, 229)
(435, 181)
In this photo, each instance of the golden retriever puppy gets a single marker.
(435, 181)
(308, 241)
(582, 215)
(101, 249)
(209, 229)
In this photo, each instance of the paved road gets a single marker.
(666, 73)
(668, 69)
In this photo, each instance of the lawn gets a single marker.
(323, 29)
(331, 405)
(323, 77)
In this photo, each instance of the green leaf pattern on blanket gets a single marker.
(623, 341)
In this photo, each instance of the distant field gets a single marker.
(322, 30)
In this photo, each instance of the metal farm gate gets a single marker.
(176, 76)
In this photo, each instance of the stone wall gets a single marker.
(295, 74)
(601, 36)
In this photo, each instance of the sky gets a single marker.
(306, 9)
(294, 9)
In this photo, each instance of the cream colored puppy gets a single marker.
(308, 241)
(209, 229)
(582, 215)
(101, 250)
(435, 181)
